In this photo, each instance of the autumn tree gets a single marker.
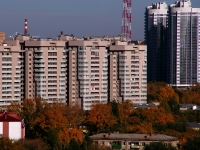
(14, 107)
(124, 110)
(51, 118)
(153, 89)
(34, 144)
(75, 116)
(6, 143)
(101, 117)
(166, 94)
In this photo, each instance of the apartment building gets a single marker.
(118, 141)
(72, 70)
(91, 58)
(46, 70)
(156, 17)
(11, 73)
(127, 72)
(172, 34)
(184, 42)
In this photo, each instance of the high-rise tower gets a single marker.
(184, 42)
(126, 29)
(155, 38)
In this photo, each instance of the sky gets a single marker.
(46, 18)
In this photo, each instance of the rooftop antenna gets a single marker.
(26, 27)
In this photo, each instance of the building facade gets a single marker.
(73, 71)
(155, 38)
(184, 42)
(12, 126)
(11, 73)
(172, 35)
(132, 141)
(128, 72)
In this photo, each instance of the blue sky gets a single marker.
(46, 18)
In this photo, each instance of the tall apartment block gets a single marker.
(173, 43)
(184, 44)
(72, 70)
(91, 58)
(155, 38)
(46, 70)
(127, 70)
(11, 73)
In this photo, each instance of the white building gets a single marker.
(184, 37)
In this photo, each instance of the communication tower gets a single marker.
(126, 29)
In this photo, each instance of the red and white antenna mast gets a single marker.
(25, 27)
(126, 29)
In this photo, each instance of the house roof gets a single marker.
(10, 117)
(193, 124)
(134, 137)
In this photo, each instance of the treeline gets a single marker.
(50, 127)
(59, 126)
(160, 91)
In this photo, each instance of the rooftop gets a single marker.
(10, 117)
(134, 137)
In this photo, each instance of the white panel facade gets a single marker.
(1, 127)
(15, 130)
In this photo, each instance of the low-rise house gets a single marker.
(193, 125)
(184, 107)
(12, 125)
(149, 105)
(132, 141)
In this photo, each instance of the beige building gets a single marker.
(91, 58)
(72, 70)
(128, 73)
(46, 69)
(11, 73)
(132, 141)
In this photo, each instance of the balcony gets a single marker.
(7, 67)
(52, 56)
(52, 65)
(115, 146)
(40, 65)
(6, 56)
(17, 81)
(38, 60)
(134, 147)
(52, 92)
(6, 71)
(38, 51)
(17, 94)
(39, 70)
(39, 56)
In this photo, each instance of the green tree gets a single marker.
(115, 109)
(73, 145)
(53, 139)
(192, 144)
